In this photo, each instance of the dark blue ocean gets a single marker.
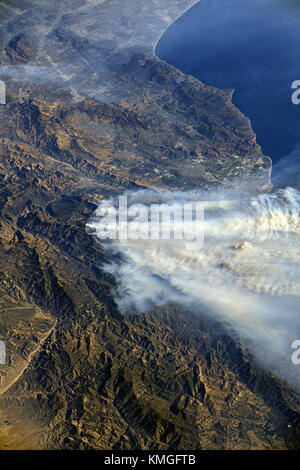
(252, 47)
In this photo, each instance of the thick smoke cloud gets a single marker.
(247, 273)
(287, 170)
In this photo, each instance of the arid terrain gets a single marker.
(92, 112)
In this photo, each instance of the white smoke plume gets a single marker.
(247, 273)
(287, 170)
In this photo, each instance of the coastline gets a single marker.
(171, 23)
(268, 185)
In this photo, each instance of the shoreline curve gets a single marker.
(266, 157)
(171, 23)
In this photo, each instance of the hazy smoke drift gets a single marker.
(248, 272)
(287, 170)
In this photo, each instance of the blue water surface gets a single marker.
(252, 47)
